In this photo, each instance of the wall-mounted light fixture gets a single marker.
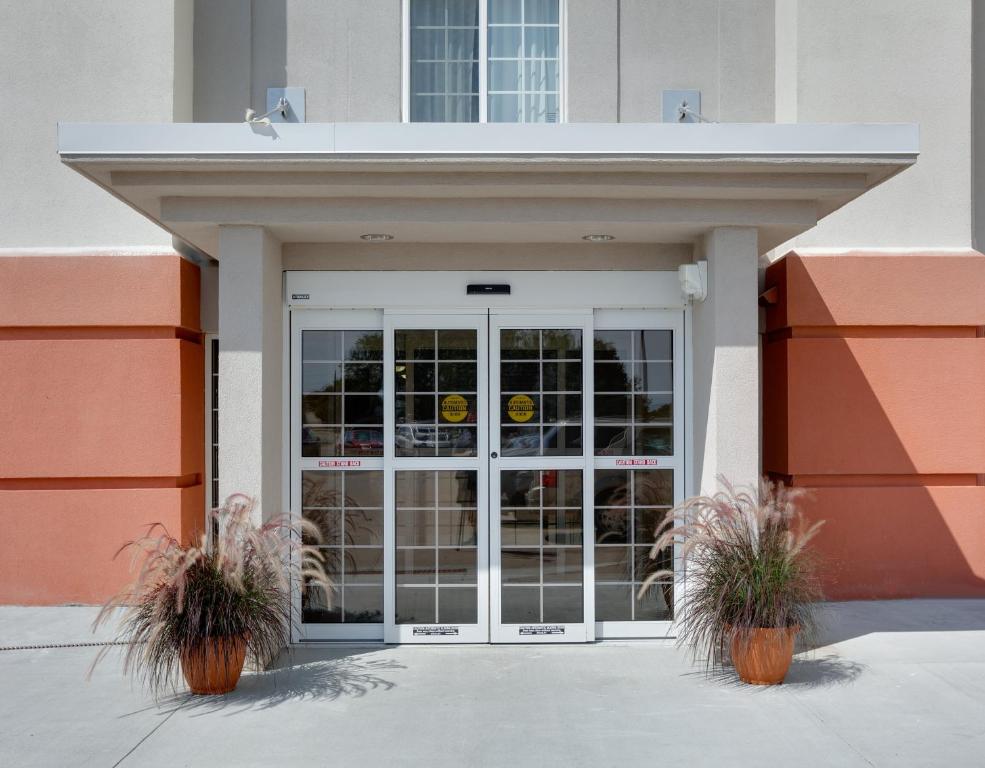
(694, 280)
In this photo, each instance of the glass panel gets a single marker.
(563, 605)
(504, 108)
(505, 11)
(520, 605)
(524, 50)
(445, 393)
(540, 108)
(436, 544)
(463, 45)
(541, 383)
(634, 385)
(444, 69)
(321, 377)
(321, 409)
(541, 557)
(504, 75)
(629, 506)
(457, 606)
(363, 377)
(346, 506)
(427, 13)
(416, 605)
(656, 604)
(540, 11)
(541, 75)
(463, 12)
(540, 42)
(340, 383)
(505, 42)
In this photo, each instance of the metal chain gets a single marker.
(62, 645)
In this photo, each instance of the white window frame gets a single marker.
(659, 320)
(326, 320)
(484, 62)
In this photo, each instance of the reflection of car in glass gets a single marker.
(415, 438)
(368, 442)
(528, 443)
(657, 441)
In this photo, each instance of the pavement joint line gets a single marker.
(812, 713)
(149, 734)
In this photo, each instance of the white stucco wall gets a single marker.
(62, 60)
(720, 47)
(889, 61)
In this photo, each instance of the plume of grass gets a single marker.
(236, 583)
(746, 566)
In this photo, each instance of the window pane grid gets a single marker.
(444, 73)
(341, 393)
(524, 72)
(625, 519)
(634, 402)
(436, 392)
(428, 570)
(541, 392)
(541, 574)
(347, 508)
(522, 64)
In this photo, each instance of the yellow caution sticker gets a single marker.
(520, 408)
(454, 408)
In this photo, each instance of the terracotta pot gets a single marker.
(763, 656)
(214, 666)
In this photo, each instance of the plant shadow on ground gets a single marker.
(806, 671)
(315, 674)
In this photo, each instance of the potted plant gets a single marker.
(750, 585)
(207, 608)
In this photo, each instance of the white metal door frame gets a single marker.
(324, 320)
(552, 632)
(673, 320)
(307, 308)
(443, 632)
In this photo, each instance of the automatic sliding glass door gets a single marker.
(437, 590)
(540, 479)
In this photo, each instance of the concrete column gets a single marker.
(251, 337)
(726, 362)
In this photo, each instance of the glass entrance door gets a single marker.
(486, 476)
(540, 479)
(437, 529)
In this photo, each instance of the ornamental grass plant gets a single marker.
(234, 583)
(746, 566)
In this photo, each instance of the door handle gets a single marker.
(494, 455)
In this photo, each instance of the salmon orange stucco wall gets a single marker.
(874, 400)
(102, 414)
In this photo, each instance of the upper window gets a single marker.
(492, 61)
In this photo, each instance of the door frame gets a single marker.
(561, 632)
(324, 319)
(675, 321)
(443, 632)
(315, 297)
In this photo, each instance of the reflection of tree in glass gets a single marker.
(516, 344)
(367, 346)
(610, 378)
(654, 488)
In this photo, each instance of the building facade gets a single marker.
(483, 288)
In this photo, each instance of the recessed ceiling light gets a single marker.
(376, 237)
(598, 238)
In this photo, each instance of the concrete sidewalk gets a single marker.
(898, 683)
